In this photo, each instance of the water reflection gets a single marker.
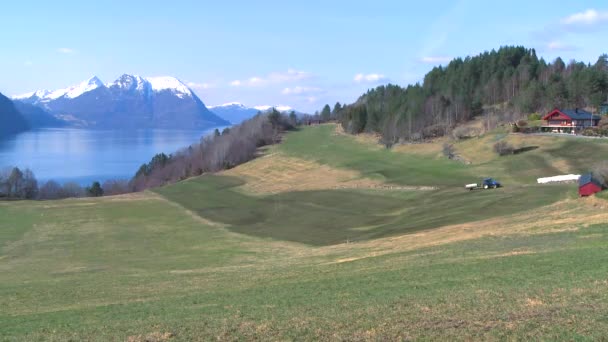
(68, 154)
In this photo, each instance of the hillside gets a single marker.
(343, 241)
(501, 85)
(11, 121)
(38, 117)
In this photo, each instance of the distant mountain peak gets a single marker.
(280, 108)
(130, 82)
(94, 81)
(86, 86)
(38, 93)
(162, 83)
(236, 112)
(229, 104)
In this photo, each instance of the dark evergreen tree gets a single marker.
(95, 190)
(326, 113)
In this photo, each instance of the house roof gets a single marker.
(575, 114)
(588, 178)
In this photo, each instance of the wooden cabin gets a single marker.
(572, 121)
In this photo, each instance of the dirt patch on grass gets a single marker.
(433, 147)
(369, 139)
(276, 173)
(534, 302)
(156, 336)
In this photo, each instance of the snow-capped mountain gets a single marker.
(131, 101)
(70, 92)
(236, 112)
(280, 108)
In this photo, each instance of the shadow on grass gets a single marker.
(524, 149)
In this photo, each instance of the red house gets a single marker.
(587, 185)
(571, 121)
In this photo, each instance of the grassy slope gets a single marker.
(553, 156)
(336, 216)
(107, 269)
(326, 147)
(327, 217)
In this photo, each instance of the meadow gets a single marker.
(391, 248)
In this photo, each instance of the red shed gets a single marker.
(587, 185)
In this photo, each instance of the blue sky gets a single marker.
(302, 54)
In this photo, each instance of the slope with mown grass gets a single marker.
(213, 258)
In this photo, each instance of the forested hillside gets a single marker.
(11, 121)
(510, 82)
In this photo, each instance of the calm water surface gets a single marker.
(69, 154)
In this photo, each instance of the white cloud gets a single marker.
(588, 17)
(195, 85)
(557, 45)
(435, 59)
(299, 90)
(291, 75)
(66, 50)
(255, 81)
(369, 78)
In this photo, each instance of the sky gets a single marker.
(298, 53)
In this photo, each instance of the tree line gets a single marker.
(509, 83)
(17, 184)
(220, 151)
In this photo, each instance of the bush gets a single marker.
(534, 117)
(465, 132)
(595, 132)
(530, 129)
(449, 151)
(600, 172)
(503, 148)
(434, 131)
(522, 123)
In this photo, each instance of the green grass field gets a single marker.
(335, 216)
(203, 260)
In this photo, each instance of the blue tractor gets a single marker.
(490, 183)
(487, 183)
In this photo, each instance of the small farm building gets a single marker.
(587, 185)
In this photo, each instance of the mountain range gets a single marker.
(236, 112)
(130, 101)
